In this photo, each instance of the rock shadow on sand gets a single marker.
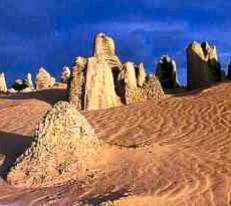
(50, 96)
(11, 147)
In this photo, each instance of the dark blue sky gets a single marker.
(51, 33)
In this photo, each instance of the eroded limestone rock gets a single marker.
(66, 73)
(77, 83)
(151, 88)
(166, 72)
(105, 48)
(141, 74)
(99, 88)
(203, 66)
(3, 87)
(63, 146)
(43, 79)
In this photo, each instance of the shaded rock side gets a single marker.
(3, 87)
(166, 72)
(24, 85)
(99, 88)
(203, 68)
(63, 146)
(77, 82)
(104, 47)
(44, 80)
(229, 71)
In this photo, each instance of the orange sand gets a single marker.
(174, 153)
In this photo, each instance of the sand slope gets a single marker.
(176, 152)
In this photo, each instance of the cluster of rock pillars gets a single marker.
(102, 81)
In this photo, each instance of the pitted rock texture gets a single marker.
(105, 48)
(99, 88)
(101, 81)
(63, 145)
(203, 67)
(166, 72)
(43, 79)
(77, 83)
(151, 88)
(3, 87)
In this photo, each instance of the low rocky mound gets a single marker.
(63, 146)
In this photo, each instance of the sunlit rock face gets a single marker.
(44, 80)
(99, 89)
(131, 89)
(101, 81)
(104, 47)
(3, 87)
(203, 67)
(166, 72)
(66, 73)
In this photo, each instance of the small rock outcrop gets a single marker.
(133, 92)
(24, 85)
(104, 47)
(166, 72)
(203, 67)
(44, 80)
(29, 82)
(63, 146)
(140, 74)
(19, 85)
(3, 87)
(66, 73)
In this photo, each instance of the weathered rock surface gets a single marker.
(63, 146)
(77, 82)
(101, 81)
(166, 72)
(203, 66)
(141, 74)
(29, 82)
(99, 88)
(130, 83)
(24, 85)
(3, 87)
(151, 88)
(66, 73)
(43, 79)
(105, 48)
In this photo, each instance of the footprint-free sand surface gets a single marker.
(173, 153)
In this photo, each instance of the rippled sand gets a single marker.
(173, 153)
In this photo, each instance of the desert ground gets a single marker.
(172, 153)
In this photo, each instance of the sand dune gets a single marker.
(176, 152)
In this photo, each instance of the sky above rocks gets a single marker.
(51, 33)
